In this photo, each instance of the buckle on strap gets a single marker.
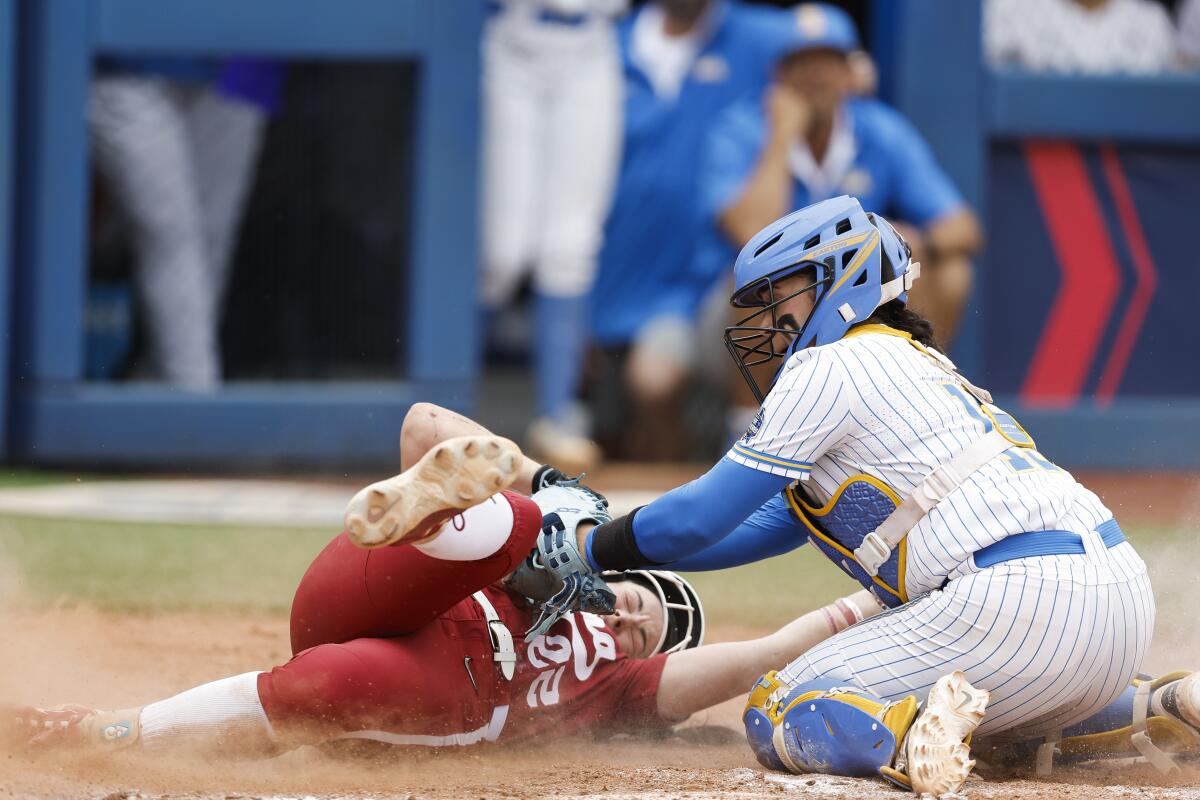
(504, 653)
(936, 486)
(876, 546)
(502, 643)
(872, 553)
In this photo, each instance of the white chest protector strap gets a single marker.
(502, 640)
(877, 545)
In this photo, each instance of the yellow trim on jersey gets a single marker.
(877, 327)
(887, 330)
(899, 591)
(860, 258)
(766, 458)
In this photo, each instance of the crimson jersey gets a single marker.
(574, 677)
(390, 646)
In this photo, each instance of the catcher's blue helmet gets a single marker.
(858, 262)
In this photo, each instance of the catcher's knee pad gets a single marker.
(820, 726)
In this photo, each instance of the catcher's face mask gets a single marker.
(769, 332)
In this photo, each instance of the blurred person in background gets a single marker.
(685, 61)
(1188, 39)
(811, 138)
(552, 138)
(177, 141)
(1090, 37)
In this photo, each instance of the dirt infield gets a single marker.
(77, 654)
(117, 660)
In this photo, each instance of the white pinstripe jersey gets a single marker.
(874, 404)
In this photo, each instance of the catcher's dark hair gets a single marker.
(896, 315)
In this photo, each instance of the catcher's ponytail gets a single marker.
(897, 315)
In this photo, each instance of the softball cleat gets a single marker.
(454, 475)
(67, 726)
(938, 756)
(1186, 695)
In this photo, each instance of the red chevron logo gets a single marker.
(1144, 270)
(1090, 276)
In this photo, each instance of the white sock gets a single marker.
(478, 532)
(210, 717)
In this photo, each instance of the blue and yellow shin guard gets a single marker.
(821, 726)
(1129, 726)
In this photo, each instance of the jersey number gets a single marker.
(1028, 461)
(545, 688)
(1023, 459)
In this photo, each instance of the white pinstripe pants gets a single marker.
(180, 160)
(1054, 639)
(552, 149)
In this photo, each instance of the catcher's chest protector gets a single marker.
(837, 528)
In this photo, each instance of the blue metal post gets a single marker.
(301, 28)
(63, 419)
(53, 196)
(938, 80)
(884, 14)
(442, 290)
(8, 69)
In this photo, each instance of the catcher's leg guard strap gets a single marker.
(1128, 726)
(760, 717)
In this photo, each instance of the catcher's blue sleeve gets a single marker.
(698, 514)
(768, 532)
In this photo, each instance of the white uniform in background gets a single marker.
(1188, 38)
(1119, 36)
(180, 160)
(552, 138)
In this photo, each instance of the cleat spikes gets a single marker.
(456, 474)
(938, 759)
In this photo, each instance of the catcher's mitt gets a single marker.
(556, 576)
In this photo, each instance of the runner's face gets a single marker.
(637, 621)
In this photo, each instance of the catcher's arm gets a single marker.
(768, 532)
(693, 680)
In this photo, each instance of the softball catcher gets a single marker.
(1011, 587)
